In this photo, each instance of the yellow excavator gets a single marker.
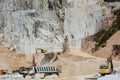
(106, 68)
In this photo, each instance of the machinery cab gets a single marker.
(104, 69)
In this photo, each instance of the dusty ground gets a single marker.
(79, 64)
(74, 62)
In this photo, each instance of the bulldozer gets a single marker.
(41, 50)
(107, 68)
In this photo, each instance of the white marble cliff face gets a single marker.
(31, 24)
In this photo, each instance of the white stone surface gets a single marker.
(110, 77)
(83, 21)
(32, 25)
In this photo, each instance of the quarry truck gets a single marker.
(45, 70)
(36, 69)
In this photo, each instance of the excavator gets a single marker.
(106, 68)
(41, 50)
(41, 69)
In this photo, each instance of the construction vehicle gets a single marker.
(25, 70)
(46, 70)
(32, 70)
(41, 50)
(106, 68)
(4, 71)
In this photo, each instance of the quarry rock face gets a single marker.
(50, 24)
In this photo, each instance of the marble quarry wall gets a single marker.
(50, 24)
